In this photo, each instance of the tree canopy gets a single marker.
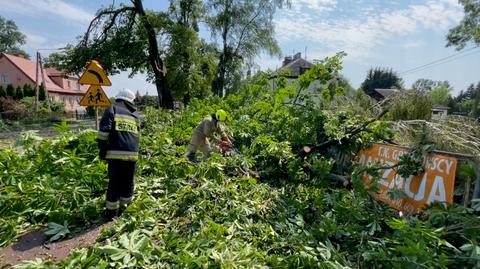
(121, 38)
(127, 37)
(381, 78)
(469, 28)
(11, 38)
(427, 85)
(243, 29)
(440, 96)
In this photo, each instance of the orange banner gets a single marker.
(435, 185)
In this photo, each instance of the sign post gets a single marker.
(95, 76)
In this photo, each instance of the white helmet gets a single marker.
(126, 95)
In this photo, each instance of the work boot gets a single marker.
(121, 210)
(109, 214)
(191, 157)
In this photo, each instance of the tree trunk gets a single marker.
(219, 82)
(165, 98)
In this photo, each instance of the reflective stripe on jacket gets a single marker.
(120, 129)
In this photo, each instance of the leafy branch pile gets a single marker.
(454, 134)
(268, 206)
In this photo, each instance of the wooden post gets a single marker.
(36, 84)
(42, 71)
(466, 194)
(96, 118)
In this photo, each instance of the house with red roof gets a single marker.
(60, 87)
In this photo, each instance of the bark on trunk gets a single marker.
(219, 82)
(165, 98)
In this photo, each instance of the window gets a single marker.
(68, 84)
(5, 79)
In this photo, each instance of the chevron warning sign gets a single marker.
(94, 75)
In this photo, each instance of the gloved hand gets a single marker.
(225, 146)
(225, 139)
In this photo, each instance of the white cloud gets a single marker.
(35, 41)
(40, 8)
(413, 44)
(360, 34)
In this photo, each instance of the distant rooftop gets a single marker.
(29, 68)
(296, 64)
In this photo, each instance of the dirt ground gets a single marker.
(33, 245)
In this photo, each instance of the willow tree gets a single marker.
(242, 29)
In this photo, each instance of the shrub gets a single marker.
(11, 92)
(28, 90)
(3, 92)
(413, 105)
(19, 93)
(29, 102)
(11, 109)
(42, 95)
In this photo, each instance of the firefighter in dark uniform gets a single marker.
(118, 141)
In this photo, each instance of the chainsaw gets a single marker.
(226, 147)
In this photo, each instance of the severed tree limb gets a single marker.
(307, 150)
(115, 13)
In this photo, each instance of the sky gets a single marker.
(401, 35)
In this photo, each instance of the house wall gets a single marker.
(71, 101)
(66, 83)
(438, 114)
(9, 74)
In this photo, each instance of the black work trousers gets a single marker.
(121, 183)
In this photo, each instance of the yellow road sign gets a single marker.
(95, 96)
(94, 75)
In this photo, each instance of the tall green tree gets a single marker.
(476, 102)
(469, 28)
(121, 38)
(426, 85)
(440, 96)
(11, 38)
(467, 94)
(381, 78)
(242, 29)
(190, 59)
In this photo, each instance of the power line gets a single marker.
(437, 62)
(451, 60)
(443, 62)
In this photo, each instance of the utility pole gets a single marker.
(42, 71)
(36, 83)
